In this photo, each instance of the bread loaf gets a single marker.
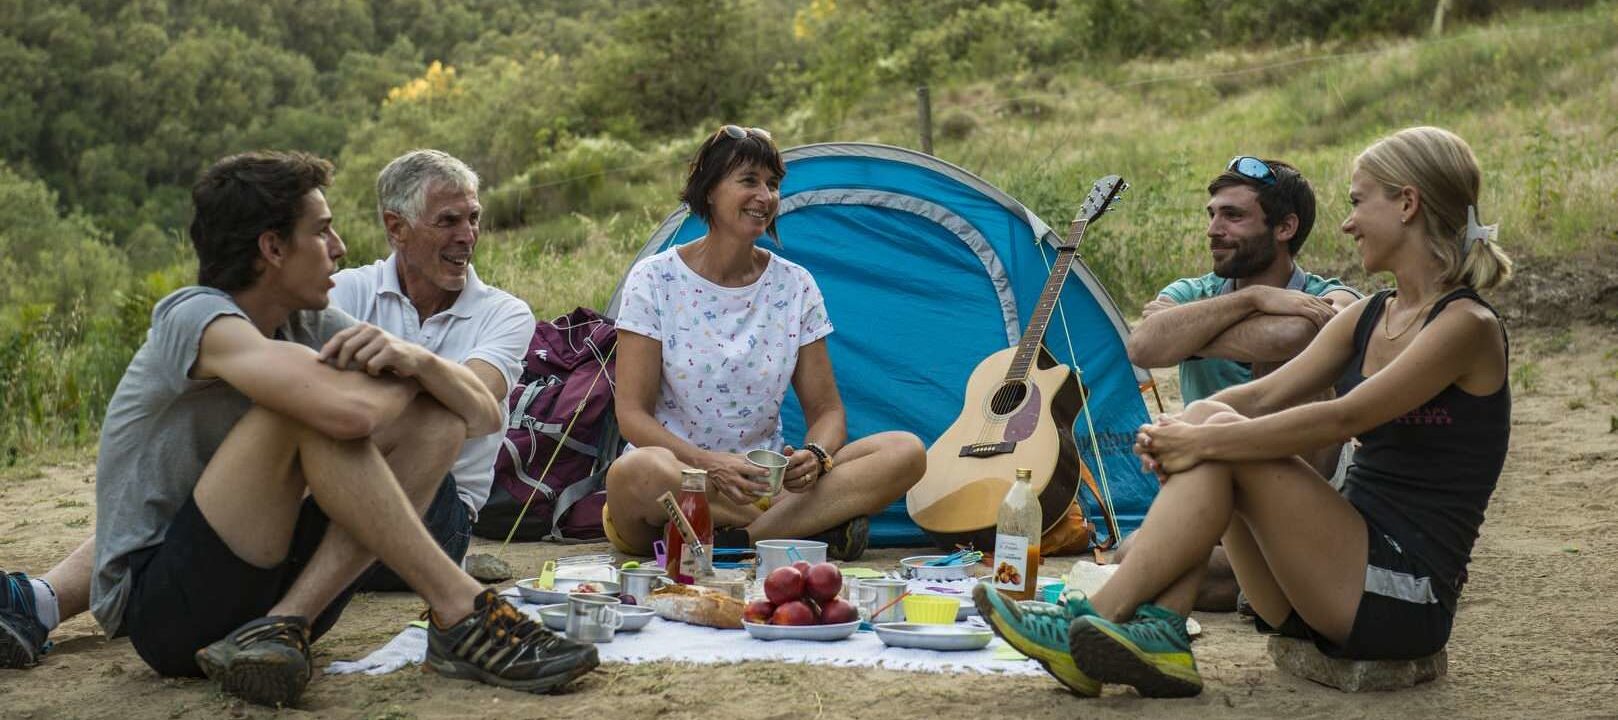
(697, 606)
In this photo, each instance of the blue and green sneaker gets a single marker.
(1038, 630)
(1151, 652)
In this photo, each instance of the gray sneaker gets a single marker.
(265, 661)
(498, 645)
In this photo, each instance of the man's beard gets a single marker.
(1250, 258)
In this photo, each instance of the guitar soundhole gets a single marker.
(1009, 397)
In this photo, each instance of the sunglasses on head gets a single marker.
(1253, 169)
(737, 132)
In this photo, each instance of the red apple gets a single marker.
(838, 611)
(758, 611)
(793, 613)
(802, 566)
(823, 581)
(783, 585)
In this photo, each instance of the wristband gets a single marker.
(826, 463)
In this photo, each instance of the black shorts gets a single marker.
(191, 590)
(1400, 615)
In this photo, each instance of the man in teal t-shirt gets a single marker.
(1204, 375)
(1254, 312)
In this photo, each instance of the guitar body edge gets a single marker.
(958, 500)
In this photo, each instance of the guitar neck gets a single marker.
(1028, 348)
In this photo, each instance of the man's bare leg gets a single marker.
(251, 494)
(70, 579)
(418, 453)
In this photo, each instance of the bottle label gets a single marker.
(689, 569)
(1011, 562)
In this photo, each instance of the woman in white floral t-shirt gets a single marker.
(710, 335)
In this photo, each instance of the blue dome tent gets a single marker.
(927, 269)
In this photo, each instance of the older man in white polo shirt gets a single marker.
(427, 292)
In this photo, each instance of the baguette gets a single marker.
(697, 606)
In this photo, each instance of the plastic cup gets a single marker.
(775, 466)
(931, 609)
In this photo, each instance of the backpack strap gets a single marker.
(569, 497)
(609, 447)
(554, 432)
(518, 462)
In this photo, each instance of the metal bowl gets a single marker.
(916, 567)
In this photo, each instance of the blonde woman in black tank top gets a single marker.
(1372, 572)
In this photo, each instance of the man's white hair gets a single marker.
(402, 186)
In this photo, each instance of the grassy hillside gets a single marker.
(1534, 93)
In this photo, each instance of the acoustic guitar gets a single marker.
(1019, 413)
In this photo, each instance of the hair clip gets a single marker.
(1476, 232)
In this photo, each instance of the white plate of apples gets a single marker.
(800, 603)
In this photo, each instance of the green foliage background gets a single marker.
(579, 115)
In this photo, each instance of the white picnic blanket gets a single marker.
(673, 641)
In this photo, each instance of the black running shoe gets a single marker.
(498, 645)
(22, 638)
(848, 540)
(265, 662)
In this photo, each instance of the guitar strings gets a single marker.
(1110, 510)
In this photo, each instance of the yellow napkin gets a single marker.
(1002, 651)
(862, 573)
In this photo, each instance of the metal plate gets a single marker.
(635, 616)
(531, 591)
(933, 637)
(821, 633)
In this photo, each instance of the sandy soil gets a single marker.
(1535, 633)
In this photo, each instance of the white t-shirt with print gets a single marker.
(728, 353)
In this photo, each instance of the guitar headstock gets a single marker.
(1103, 195)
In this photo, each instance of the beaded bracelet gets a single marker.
(826, 462)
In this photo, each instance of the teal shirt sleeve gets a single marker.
(1317, 286)
(1187, 290)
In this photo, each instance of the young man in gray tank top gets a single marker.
(263, 450)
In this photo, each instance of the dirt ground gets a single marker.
(1535, 634)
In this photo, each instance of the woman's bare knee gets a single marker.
(635, 480)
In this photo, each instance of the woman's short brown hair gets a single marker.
(722, 153)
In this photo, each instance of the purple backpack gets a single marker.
(561, 435)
